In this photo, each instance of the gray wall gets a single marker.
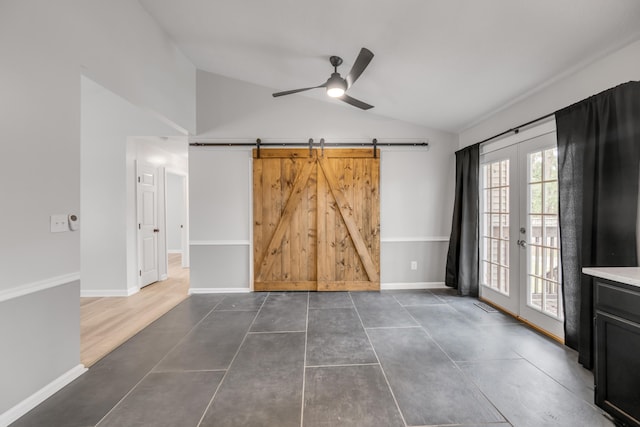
(39, 343)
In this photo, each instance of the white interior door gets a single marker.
(519, 238)
(147, 212)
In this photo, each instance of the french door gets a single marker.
(519, 237)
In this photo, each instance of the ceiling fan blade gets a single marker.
(355, 102)
(364, 57)
(289, 92)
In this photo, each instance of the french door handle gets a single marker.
(521, 243)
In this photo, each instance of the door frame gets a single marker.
(185, 230)
(486, 150)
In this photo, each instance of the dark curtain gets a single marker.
(598, 157)
(462, 257)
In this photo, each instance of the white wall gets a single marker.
(416, 184)
(108, 202)
(45, 46)
(619, 67)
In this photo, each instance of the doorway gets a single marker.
(519, 236)
(176, 228)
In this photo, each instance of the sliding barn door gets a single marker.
(316, 219)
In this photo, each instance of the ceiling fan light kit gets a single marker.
(336, 86)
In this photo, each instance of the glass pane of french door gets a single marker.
(495, 230)
(542, 304)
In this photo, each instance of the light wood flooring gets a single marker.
(105, 323)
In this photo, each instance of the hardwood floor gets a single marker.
(105, 323)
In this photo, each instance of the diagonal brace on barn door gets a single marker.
(347, 215)
(290, 207)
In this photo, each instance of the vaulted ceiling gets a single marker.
(445, 64)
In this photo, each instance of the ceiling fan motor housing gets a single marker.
(336, 81)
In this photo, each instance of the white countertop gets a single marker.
(628, 275)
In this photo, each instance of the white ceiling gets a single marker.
(445, 64)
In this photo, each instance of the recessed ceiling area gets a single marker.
(440, 63)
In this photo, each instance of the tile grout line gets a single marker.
(460, 370)
(384, 374)
(394, 327)
(343, 365)
(304, 363)
(160, 361)
(215, 393)
(557, 382)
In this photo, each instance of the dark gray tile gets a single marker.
(185, 315)
(212, 344)
(447, 294)
(435, 316)
(282, 312)
(504, 424)
(166, 399)
(336, 337)
(474, 314)
(330, 300)
(417, 297)
(251, 301)
(379, 310)
(263, 386)
(90, 397)
(461, 340)
(349, 396)
(529, 398)
(556, 360)
(425, 382)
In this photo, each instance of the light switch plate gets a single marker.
(414, 265)
(59, 223)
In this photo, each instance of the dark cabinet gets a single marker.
(617, 371)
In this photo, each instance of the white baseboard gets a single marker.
(412, 285)
(41, 395)
(174, 251)
(163, 277)
(38, 286)
(218, 290)
(94, 293)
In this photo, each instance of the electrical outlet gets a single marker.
(59, 223)
(414, 265)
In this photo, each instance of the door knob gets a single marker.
(521, 243)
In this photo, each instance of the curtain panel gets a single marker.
(463, 253)
(598, 158)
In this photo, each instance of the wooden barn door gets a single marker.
(316, 219)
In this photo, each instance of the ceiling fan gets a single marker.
(336, 85)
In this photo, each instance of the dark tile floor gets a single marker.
(407, 358)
